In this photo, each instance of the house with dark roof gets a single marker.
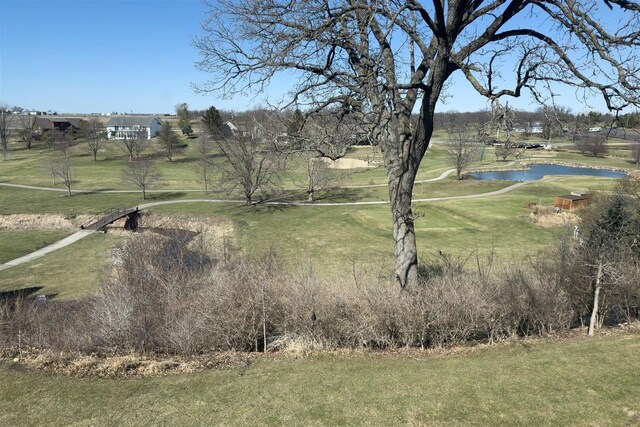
(43, 125)
(129, 127)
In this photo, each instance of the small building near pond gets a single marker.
(573, 201)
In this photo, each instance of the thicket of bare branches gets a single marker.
(596, 145)
(180, 293)
(251, 162)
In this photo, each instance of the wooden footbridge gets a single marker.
(132, 215)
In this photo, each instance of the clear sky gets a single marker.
(83, 56)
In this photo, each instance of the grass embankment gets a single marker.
(70, 272)
(578, 382)
(16, 243)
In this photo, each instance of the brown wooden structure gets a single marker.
(131, 223)
(573, 201)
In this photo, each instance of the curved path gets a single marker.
(83, 233)
(442, 176)
(47, 249)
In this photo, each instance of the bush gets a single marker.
(170, 294)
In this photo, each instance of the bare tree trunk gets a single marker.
(402, 155)
(596, 298)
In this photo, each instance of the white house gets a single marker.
(128, 127)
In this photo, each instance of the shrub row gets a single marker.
(170, 294)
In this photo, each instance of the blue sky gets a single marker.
(81, 56)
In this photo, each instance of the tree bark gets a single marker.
(403, 148)
(596, 299)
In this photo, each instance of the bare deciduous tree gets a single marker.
(182, 111)
(205, 165)
(60, 166)
(319, 175)
(250, 163)
(635, 152)
(135, 144)
(169, 140)
(25, 131)
(609, 245)
(142, 173)
(386, 60)
(93, 132)
(462, 151)
(319, 139)
(594, 144)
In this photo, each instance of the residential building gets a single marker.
(128, 127)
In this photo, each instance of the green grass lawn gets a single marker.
(577, 382)
(70, 272)
(330, 237)
(16, 243)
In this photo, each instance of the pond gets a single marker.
(537, 171)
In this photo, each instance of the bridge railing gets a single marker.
(108, 216)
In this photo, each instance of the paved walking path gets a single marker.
(47, 249)
(442, 176)
(83, 233)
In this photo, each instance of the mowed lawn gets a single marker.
(16, 243)
(331, 239)
(577, 382)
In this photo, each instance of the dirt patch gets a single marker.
(546, 217)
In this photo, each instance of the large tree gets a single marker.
(389, 59)
(320, 138)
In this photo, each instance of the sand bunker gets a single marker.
(349, 164)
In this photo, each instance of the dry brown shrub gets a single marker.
(548, 217)
(170, 294)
